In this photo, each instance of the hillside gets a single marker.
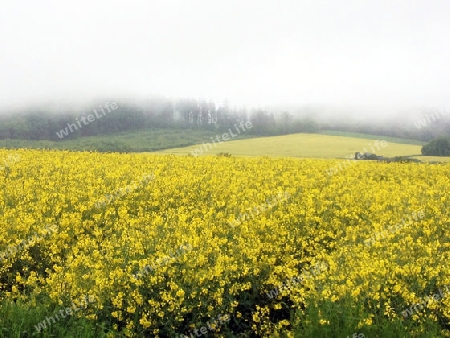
(305, 145)
(329, 144)
(137, 141)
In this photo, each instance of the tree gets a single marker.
(437, 147)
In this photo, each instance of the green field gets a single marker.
(305, 145)
(432, 159)
(139, 141)
(372, 137)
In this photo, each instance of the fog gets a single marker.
(357, 58)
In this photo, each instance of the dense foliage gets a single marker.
(437, 147)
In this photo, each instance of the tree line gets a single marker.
(42, 124)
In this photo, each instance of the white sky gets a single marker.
(370, 53)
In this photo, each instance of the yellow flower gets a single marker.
(145, 322)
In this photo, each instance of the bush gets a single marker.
(437, 147)
(224, 154)
(112, 146)
(402, 159)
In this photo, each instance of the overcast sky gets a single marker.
(370, 53)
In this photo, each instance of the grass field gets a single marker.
(432, 159)
(330, 144)
(305, 146)
(372, 137)
(140, 141)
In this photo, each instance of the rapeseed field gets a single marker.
(182, 246)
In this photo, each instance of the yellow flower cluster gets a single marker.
(193, 200)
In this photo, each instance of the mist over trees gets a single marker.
(40, 123)
(45, 124)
